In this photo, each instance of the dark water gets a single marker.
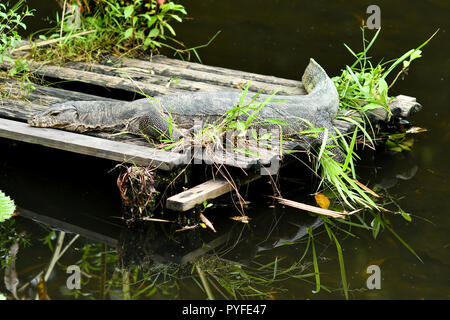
(276, 38)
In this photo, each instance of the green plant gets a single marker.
(11, 21)
(7, 207)
(103, 27)
(142, 23)
(363, 86)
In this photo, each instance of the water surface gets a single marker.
(275, 38)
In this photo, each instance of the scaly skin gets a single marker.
(150, 116)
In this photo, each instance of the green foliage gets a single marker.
(11, 21)
(141, 23)
(47, 240)
(363, 86)
(8, 237)
(7, 207)
(123, 27)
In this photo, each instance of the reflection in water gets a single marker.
(395, 167)
(150, 258)
(270, 40)
(146, 260)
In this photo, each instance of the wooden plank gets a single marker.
(404, 106)
(46, 95)
(19, 109)
(102, 80)
(163, 60)
(190, 198)
(160, 59)
(92, 146)
(216, 79)
(147, 76)
(208, 190)
(23, 110)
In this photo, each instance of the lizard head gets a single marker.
(61, 115)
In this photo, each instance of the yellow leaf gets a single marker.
(366, 188)
(322, 200)
(243, 219)
(309, 208)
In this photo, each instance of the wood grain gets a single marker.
(92, 146)
(190, 198)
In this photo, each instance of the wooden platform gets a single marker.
(157, 76)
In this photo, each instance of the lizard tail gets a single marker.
(314, 76)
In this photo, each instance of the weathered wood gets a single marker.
(23, 110)
(93, 78)
(401, 106)
(233, 159)
(404, 106)
(272, 80)
(163, 60)
(92, 146)
(208, 190)
(19, 109)
(216, 79)
(149, 77)
(46, 95)
(154, 76)
(190, 198)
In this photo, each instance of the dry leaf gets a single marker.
(366, 188)
(243, 219)
(155, 220)
(416, 130)
(322, 200)
(307, 207)
(187, 228)
(207, 222)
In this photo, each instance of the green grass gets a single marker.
(363, 85)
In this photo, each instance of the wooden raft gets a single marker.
(158, 76)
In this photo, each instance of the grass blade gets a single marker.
(316, 265)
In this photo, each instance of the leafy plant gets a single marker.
(142, 23)
(11, 21)
(363, 86)
(7, 207)
(125, 27)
